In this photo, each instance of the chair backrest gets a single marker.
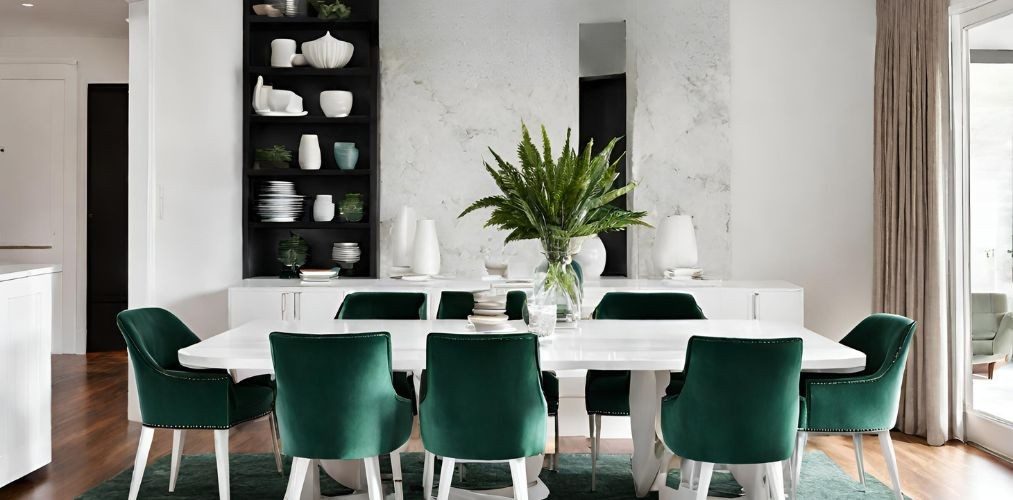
(383, 305)
(987, 310)
(482, 397)
(335, 399)
(154, 336)
(635, 305)
(884, 338)
(458, 305)
(740, 401)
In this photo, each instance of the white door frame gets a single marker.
(982, 429)
(69, 334)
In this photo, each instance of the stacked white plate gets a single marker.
(686, 273)
(316, 275)
(489, 314)
(345, 254)
(277, 201)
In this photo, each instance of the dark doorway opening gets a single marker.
(602, 117)
(107, 214)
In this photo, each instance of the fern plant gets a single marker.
(557, 200)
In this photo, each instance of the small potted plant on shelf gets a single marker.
(292, 253)
(331, 9)
(276, 156)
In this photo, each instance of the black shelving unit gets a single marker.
(361, 76)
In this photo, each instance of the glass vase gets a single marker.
(558, 284)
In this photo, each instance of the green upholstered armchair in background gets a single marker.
(608, 392)
(336, 402)
(481, 401)
(864, 402)
(458, 305)
(175, 397)
(388, 305)
(991, 329)
(738, 404)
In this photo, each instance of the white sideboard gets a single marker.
(26, 331)
(273, 298)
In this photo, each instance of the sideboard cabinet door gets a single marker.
(779, 305)
(317, 304)
(246, 305)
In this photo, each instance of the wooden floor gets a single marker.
(93, 441)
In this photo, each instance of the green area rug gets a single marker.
(253, 476)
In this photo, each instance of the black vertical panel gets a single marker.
(107, 214)
(602, 117)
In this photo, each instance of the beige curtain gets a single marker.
(911, 128)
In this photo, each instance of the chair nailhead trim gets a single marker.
(215, 427)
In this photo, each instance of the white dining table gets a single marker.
(650, 349)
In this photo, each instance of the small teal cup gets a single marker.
(345, 157)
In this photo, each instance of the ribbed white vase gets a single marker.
(403, 237)
(675, 243)
(309, 152)
(426, 252)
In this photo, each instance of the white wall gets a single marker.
(802, 125)
(99, 60)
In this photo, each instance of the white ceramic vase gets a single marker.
(323, 208)
(282, 52)
(426, 252)
(327, 52)
(675, 244)
(336, 103)
(403, 237)
(591, 257)
(309, 152)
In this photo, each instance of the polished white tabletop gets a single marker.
(595, 344)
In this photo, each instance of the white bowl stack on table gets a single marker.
(489, 314)
(317, 275)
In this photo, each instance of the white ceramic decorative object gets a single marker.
(323, 208)
(403, 237)
(327, 52)
(426, 258)
(591, 256)
(675, 243)
(299, 60)
(282, 52)
(309, 152)
(285, 101)
(259, 102)
(336, 103)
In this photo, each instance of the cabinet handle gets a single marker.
(283, 305)
(756, 305)
(297, 305)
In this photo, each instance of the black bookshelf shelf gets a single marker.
(361, 77)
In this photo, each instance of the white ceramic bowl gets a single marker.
(327, 52)
(336, 103)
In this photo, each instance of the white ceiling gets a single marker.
(995, 35)
(94, 18)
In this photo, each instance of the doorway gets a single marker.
(982, 217)
(107, 214)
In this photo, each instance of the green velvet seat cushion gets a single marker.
(253, 398)
(868, 400)
(608, 392)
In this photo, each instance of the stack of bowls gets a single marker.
(489, 314)
(346, 155)
(278, 202)
(346, 254)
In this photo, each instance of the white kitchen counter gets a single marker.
(17, 271)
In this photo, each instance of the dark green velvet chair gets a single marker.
(860, 403)
(458, 305)
(481, 401)
(336, 401)
(737, 404)
(174, 397)
(387, 305)
(607, 392)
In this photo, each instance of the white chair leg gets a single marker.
(374, 485)
(276, 443)
(178, 438)
(704, 484)
(519, 474)
(446, 477)
(796, 466)
(775, 480)
(427, 476)
(858, 458)
(891, 462)
(222, 457)
(140, 460)
(395, 468)
(595, 449)
(296, 478)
